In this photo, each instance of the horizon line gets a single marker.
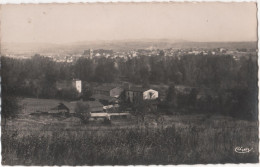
(129, 40)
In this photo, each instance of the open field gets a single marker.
(179, 139)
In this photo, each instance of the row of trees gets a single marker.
(193, 70)
(235, 81)
(235, 102)
(196, 70)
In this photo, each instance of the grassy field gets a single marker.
(179, 139)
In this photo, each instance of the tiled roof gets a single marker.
(137, 89)
(91, 104)
(104, 88)
(102, 97)
(61, 106)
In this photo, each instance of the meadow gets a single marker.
(180, 139)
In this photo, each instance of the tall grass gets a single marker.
(171, 145)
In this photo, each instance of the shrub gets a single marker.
(68, 94)
(82, 111)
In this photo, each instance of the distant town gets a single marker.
(92, 84)
(237, 53)
(173, 96)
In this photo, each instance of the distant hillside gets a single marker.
(79, 47)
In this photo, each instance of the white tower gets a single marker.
(91, 53)
(78, 85)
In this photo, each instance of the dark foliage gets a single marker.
(82, 111)
(234, 82)
(10, 107)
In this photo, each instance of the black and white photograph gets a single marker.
(148, 83)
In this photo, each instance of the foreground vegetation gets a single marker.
(189, 144)
(46, 140)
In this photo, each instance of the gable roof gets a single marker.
(61, 106)
(104, 88)
(137, 89)
(102, 97)
(91, 104)
(151, 90)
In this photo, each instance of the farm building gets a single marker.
(61, 108)
(162, 90)
(134, 94)
(60, 85)
(111, 108)
(104, 99)
(94, 106)
(109, 115)
(150, 94)
(111, 91)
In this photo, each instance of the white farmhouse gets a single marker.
(135, 94)
(150, 94)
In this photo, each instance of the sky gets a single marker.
(66, 23)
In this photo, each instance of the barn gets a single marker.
(61, 108)
(112, 91)
(105, 100)
(94, 106)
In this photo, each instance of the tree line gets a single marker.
(40, 73)
(236, 79)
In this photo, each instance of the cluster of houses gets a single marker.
(104, 98)
(109, 94)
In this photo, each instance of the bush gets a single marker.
(107, 121)
(10, 107)
(68, 94)
(82, 111)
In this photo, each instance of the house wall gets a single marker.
(78, 85)
(101, 92)
(129, 95)
(116, 92)
(96, 109)
(133, 96)
(137, 96)
(150, 94)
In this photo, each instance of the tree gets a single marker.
(10, 107)
(143, 107)
(68, 93)
(123, 104)
(82, 111)
(157, 71)
(86, 94)
(171, 96)
(193, 97)
(105, 72)
(84, 69)
(144, 75)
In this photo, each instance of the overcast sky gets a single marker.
(57, 23)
